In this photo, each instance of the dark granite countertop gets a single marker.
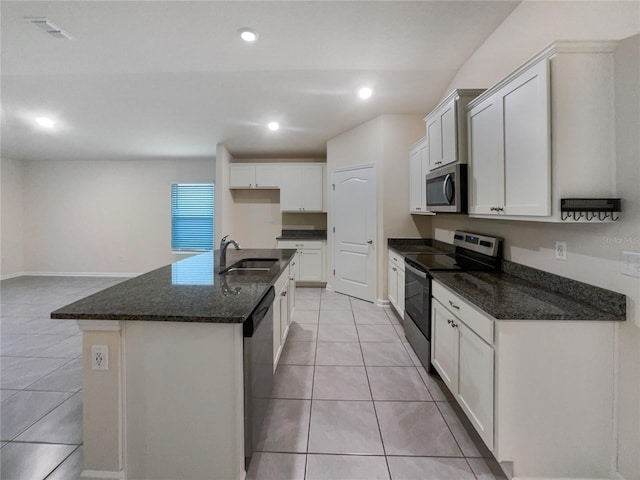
(303, 235)
(507, 297)
(191, 290)
(405, 246)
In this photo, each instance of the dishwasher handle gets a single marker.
(254, 319)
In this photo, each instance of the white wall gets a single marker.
(103, 216)
(12, 214)
(593, 250)
(385, 142)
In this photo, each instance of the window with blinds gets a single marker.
(192, 216)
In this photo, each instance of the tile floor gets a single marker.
(350, 401)
(41, 378)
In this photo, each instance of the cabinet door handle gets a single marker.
(450, 322)
(454, 305)
(395, 259)
(395, 269)
(284, 294)
(370, 242)
(418, 208)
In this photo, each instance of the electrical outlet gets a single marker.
(630, 264)
(561, 250)
(99, 357)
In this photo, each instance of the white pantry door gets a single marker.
(354, 248)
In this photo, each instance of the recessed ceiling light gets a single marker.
(248, 35)
(45, 122)
(365, 92)
(273, 126)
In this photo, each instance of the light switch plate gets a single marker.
(561, 250)
(630, 264)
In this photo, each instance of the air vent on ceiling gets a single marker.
(46, 25)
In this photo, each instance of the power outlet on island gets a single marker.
(561, 250)
(99, 357)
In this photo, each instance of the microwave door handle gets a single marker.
(448, 198)
(415, 271)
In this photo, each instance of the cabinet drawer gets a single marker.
(474, 319)
(301, 244)
(396, 259)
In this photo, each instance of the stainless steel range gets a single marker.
(473, 252)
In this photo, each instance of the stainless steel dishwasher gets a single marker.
(258, 370)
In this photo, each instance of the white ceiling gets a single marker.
(144, 79)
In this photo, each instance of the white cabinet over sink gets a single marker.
(544, 133)
(301, 185)
(248, 175)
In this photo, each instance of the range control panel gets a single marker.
(477, 242)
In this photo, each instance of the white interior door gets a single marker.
(354, 213)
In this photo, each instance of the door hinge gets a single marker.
(333, 185)
(334, 229)
(334, 271)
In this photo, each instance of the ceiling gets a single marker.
(144, 79)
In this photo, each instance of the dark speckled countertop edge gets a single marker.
(303, 235)
(163, 301)
(507, 297)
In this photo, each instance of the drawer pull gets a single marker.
(450, 322)
(284, 294)
(454, 305)
(395, 269)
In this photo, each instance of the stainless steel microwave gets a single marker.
(447, 189)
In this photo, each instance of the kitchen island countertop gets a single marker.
(190, 290)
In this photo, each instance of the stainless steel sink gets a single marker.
(249, 266)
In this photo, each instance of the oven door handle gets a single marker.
(415, 271)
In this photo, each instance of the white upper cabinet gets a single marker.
(544, 133)
(247, 175)
(302, 188)
(509, 145)
(418, 169)
(447, 130)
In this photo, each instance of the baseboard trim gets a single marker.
(102, 474)
(382, 303)
(12, 275)
(71, 274)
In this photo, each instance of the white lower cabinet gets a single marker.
(465, 363)
(534, 390)
(395, 281)
(309, 266)
(281, 318)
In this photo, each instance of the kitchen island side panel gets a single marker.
(184, 401)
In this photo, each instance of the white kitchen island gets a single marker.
(171, 404)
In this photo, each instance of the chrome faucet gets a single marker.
(224, 243)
